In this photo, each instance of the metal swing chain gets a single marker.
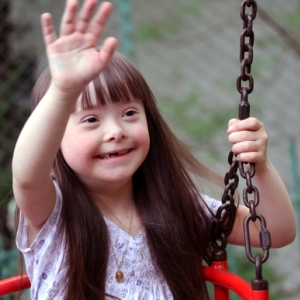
(224, 219)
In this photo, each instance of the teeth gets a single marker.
(106, 156)
(124, 152)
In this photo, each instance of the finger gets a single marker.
(242, 136)
(249, 157)
(232, 121)
(230, 125)
(246, 146)
(250, 124)
(67, 25)
(48, 29)
(100, 19)
(253, 143)
(107, 50)
(84, 16)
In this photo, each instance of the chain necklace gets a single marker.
(119, 275)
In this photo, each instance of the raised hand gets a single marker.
(73, 58)
(249, 140)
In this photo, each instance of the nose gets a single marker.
(113, 131)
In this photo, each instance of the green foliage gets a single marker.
(291, 20)
(12, 118)
(268, 41)
(189, 6)
(8, 261)
(148, 31)
(195, 117)
(169, 27)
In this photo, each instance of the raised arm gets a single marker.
(73, 62)
(249, 141)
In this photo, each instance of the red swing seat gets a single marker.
(217, 274)
(225, 281)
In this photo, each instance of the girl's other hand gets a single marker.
(73, 58)
(249, 140)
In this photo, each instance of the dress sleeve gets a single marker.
(212, 204)
(53, 222)
(45, 258)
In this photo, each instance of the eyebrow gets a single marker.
(131, 100)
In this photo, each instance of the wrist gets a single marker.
(68, 96)
(263, 167)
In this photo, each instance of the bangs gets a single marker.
(118, 82)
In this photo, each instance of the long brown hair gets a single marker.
(173, 213)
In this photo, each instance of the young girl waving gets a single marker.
(108, 207)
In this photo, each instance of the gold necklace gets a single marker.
(119, 275)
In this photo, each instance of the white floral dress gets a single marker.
(45, 261)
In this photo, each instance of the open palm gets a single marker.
(73, 58)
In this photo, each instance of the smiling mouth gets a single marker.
(114, 154)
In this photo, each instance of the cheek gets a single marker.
(143, 139)
(75, 148)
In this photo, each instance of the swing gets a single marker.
(217, 273)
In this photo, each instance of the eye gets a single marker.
(90, 120)
(130, 113)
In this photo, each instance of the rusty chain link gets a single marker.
(224, 219)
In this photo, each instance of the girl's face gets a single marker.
(106, 144)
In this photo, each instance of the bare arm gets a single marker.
(34, 155)
(73, 62)
(249, 141)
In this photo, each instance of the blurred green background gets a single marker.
(188, 51)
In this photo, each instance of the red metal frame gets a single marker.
(223, 281)
(217, 274)
(14, 284)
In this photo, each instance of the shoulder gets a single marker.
(50, 226)
(211, 203)
(45, 258)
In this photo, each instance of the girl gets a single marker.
(108, 208)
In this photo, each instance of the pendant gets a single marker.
(119, 276)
